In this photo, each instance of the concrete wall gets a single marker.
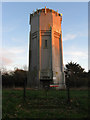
(45, 61)
(33, 74)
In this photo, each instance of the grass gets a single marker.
(38, 104)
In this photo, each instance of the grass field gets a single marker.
(38, 104)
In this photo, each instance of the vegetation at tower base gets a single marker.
(77, 78)
(14, 79)
(38, 104)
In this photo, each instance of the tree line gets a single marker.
(14, 79)
(74, 74)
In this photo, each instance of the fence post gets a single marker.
(68, 90)
(68, 85)
(24, 92)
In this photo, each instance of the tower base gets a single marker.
(61, 87)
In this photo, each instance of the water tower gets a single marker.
(45, 49)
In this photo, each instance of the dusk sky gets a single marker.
(15, 31)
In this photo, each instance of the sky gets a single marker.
(15, 31)
(89, 35)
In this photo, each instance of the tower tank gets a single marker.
(45, 49)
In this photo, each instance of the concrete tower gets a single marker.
(45, 49)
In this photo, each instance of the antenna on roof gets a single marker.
(45, 9)
(37, 10)
(57, 12)
(33, 12)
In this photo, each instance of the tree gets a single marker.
(76, 74)
(15, 78)
(19, 77)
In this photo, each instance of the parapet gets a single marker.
(46, 10)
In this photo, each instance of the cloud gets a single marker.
(16, 50)
(10, 56)
(8, 28)
(69, 37)
(84, 34)
(76, 55)
(19, 40)
(6, 61)
(12, 50)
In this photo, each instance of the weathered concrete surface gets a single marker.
(45, 61)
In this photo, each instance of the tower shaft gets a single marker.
(45, 49)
